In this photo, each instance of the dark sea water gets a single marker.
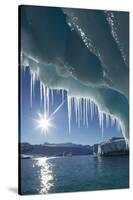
(70, 174)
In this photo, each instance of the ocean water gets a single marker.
(71, 174)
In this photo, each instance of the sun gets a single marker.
(43, 122)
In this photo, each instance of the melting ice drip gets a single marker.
(83, 108)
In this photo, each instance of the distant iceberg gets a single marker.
(111, 147)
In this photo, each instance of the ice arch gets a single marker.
(83, 52)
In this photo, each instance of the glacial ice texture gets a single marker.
(83, 52)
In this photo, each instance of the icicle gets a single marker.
(78, 112)
(69, 112)
(52, 96)
(84, 108)
(76, 108)
(99, 117)
(40, 93)
(33, 82)
(80, 106)
(47, 99)
(102, 123)
(44, 99)
(31, 90)
(33, 78)
(91, 108)
(107, 120)
(84, 111)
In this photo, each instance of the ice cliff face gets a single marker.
(112, 146)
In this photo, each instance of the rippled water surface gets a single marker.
(77, 173)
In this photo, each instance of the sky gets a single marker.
(59, 132)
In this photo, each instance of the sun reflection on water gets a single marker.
(45, 175)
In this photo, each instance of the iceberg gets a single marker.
(111, 147)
